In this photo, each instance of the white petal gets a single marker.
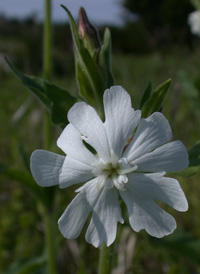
(121, 119)
(85, 119)
(73, 219)
(77, 166)
(71, 143)
(74, 172)
(151, 133)
(159, 188)
(46, 167)
(172, 156)
(146, 214)
(106, 215)
(92, 189)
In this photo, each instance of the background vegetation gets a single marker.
(156, 47)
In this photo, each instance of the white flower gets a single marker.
(194, 22)
(134, 171)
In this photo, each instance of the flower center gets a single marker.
(109, 170)
(115, 171)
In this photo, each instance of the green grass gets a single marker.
(21, 227)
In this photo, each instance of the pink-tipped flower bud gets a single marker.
(88, 33)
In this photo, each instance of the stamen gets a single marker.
(127, 170)
(114, 159)
(123, 179)
(120, 181)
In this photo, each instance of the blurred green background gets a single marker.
(157, 46)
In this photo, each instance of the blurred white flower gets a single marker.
(132, 167)
(194, 22)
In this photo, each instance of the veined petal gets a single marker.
(71, 143)
(77, 166)
(92, 189)
(85, 119)
(74, 172)
(121, 119)
(159, 188)
(106, 215)
(145, 214)
(73, 219)
(151, 133)
(172, 156)
(46, 167)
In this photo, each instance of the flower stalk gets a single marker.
(47, 66)
(47, 47)
(105, 259)
(47, 72)
(50, 243)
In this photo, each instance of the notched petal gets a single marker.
(151, 133)
(74, 217)
(86, 120)
(106, 215)
(121, 119)
(145, 214)
(172, 156)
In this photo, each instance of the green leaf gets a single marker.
(105, 59)
(86, 90)
(181, 243)
(90, 79)
(194, 162)
(188, 172)
(146, 95)
(155, 102)
(56, 99)
(194, 155)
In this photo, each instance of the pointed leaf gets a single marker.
(90, 72)
(146, 95)
(155, 102)
(86, 90)
(105, 59)
(188, 172)
(56, 99)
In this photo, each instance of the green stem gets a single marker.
(47, 130)
(50, 243)
(47, 51)
(105, 260)
(47, 67)
(47, 72)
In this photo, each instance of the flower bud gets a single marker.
(88, 34)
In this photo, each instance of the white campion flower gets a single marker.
(194, 22)
(133, 170)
